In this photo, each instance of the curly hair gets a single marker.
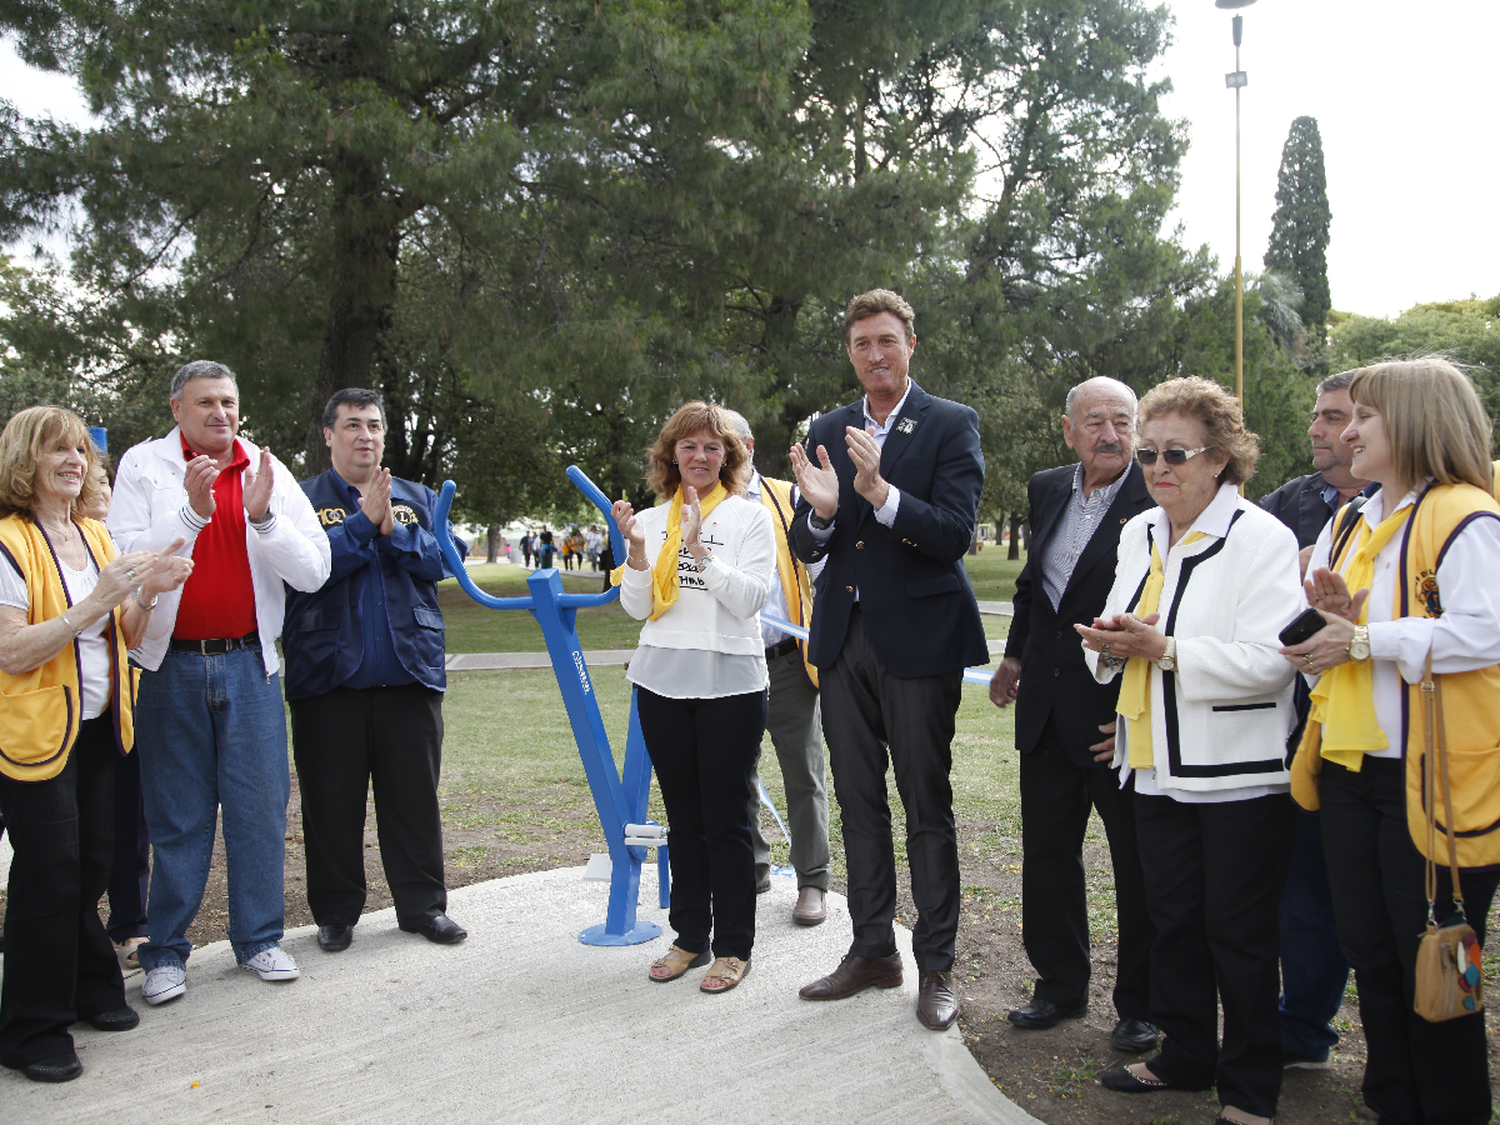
(28, 435)
(1434, 419)
(695, 417)
(879, 301)
(1220, 415)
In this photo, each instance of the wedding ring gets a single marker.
(1307, 656)
(1104, 649)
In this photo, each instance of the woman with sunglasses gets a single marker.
(1203, 585)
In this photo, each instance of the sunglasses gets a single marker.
(1170, 456)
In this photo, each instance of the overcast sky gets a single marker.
(1405, 97)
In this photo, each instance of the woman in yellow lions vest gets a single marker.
(1413, 571)
(69, 609)
(1202, 586)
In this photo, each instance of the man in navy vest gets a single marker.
(365, 680)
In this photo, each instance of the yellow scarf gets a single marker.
(1343, 701)
(664, 583)
(1135, 685)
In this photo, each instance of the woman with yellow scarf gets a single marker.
(1202, 586)
(1409, 574)
(698, 571)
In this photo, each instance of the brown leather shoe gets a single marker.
(854, 975)
(811, 910)
(937, 1007)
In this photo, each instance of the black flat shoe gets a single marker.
(1042, 1014)
(439, 928)
(59, 1068)
(121, 1019)
(335, 938)
(1122, 1081)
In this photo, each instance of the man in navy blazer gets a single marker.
(891, 504)
(1065, 719)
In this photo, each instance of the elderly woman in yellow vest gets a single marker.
(1203, 585)
(1412, 573)
(69, 610)
(698, 569)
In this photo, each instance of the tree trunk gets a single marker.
(1015, 537)
(492, 553)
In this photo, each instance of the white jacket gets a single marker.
(147, 513)
(1221, 720)
(717, 609)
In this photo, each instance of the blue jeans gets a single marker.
(1313, 969)
(211, 731)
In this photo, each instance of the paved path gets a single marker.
(523, 1023)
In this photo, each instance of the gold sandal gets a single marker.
(726, 973)
(674, 964)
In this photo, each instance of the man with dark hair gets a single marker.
(1313, 968)
(1065, 720)
(891, 503)
(365, 680)
(209, 722)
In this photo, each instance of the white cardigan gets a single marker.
(150, 509)
(1220, 722)
(717, 608)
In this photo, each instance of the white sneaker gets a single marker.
(163, 984)
(273, 964)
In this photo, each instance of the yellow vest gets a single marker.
(776, 495)
(1471, 700)
(40, 710)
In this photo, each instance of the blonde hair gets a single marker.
(877, 301)
(695, 417)
(28, 435)
(1433, 418)
(1218, 412)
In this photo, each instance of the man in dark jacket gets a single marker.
(365, 680)
(1065, 719)
(1313, 968)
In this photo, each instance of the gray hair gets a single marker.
(1073, 392)
(199, 369)
(737, 420)
(1339, 382)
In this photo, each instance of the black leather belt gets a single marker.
(217, 646)
(781, 648)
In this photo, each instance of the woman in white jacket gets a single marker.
(698, 571)
(1203, 585)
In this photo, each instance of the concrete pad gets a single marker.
(522, 1022)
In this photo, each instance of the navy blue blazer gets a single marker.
(1056, 684)
(919, 609)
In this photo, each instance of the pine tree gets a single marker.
(1299, 230)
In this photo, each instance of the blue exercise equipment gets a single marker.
(619, 796)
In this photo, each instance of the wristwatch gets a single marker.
(1359, 644)
(1168, 661)
(817, 522)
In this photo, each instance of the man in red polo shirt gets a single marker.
(210, 726)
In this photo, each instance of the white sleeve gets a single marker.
(293, 540)
(13, 590)
(742, 588)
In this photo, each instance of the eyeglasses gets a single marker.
(1170, 456)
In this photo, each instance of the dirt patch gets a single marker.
(1052, 1074)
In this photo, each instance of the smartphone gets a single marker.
(1302, 629)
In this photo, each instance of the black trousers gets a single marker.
(60, 965)
(1056, 796)
(343, 742)
(1214, 874)
(703, 751)
(130, 875)
(1416, 1073)
(871, 719)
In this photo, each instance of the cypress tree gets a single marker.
(1299, 230)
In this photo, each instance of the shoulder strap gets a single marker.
(1344, 523)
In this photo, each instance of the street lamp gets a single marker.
(1237, 82)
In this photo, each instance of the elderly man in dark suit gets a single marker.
(891, 504)
(1065, 719)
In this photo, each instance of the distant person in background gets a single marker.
(544, 549)
(1313, 968)
(697, 573)
(130, 876)
(69, 608)
(526, 541)
(367, 697)
(607, 561)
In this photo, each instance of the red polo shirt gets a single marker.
(218, 599)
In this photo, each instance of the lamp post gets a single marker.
(1237, 82)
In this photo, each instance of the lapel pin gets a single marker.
(906, 426)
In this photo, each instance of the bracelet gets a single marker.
(77, 632)
(704, 561)
(146, 605)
